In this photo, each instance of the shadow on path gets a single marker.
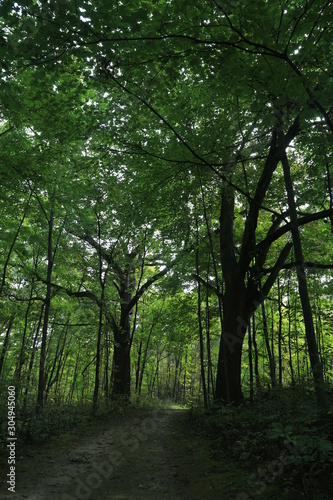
(151, 455)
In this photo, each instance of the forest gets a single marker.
(166, 221)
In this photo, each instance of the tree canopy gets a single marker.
(166, 194)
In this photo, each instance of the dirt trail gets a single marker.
(151, 455)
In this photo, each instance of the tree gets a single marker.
(159, 105)
(316, 365)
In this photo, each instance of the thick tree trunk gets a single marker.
(121, 381)
(235, 323)
(230, 392)
(239, 304)
(121, 357)
(240, 298)
(122, 333)
(235, 311)
(228, 388)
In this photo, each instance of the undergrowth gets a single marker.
(55, 419)
(282, 439)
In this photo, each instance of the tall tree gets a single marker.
(152, 100)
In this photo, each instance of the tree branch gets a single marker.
(276, 269)
(273, 158)
(308, 264)
(275, 235)
(207, 285)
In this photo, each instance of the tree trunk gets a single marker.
(316, 366)
(185, 374)
(240, 299)
(107, 364)
(177, 363)
(32, 357)
(145, 356)
(289, 334)
(210, 382)
(228, 380)
(280, 333)
(22, 355)
(123, 337)
(121, 356)
(61, 369)
(73, 384)
(57, 359)
(47, 302)
(201, 342)
(6, 342)
(138, 368)
(235, 323)
(250, 362)
(4, 272)
(98, 352)
(256, 356)
(102, 281)
(271, 360)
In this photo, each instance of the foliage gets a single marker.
(288, 439)
(126, 133)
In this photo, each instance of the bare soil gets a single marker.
(150, 454)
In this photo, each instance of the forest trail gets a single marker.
(151, 455)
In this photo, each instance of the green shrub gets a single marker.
(283, 427)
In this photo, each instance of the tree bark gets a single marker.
(241, 299)
(32, 357)
(121, 355)
(271, 359)
(145, 356)
(199, 313)
(6, 342)
(316, 366)
(47, 302)
(250, 362)
(280, 332)
(98, 351)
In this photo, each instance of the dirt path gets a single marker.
(152, 455)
